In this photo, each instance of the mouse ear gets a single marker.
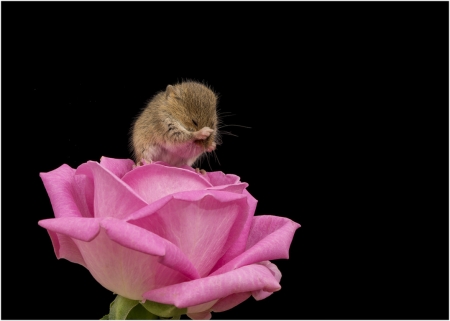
(172, 92)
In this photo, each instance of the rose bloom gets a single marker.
(166, 234)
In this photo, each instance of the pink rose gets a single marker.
(166, 234)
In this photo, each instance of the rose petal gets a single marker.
(203, 224)
(154, 181)
(124, 271)
(118, 167)
(65, 248)
(84, 194)
(80, 228)
(245, 279)
(141, 240)
(238, 247)
(219, 178)
(275, 228)
(83, 184)
(58, 184)
(112, 197)
(236, 188)
(260, 294)
(201, 307)
(189, 168)
(270, 238)
(128, 271)
(231, 301)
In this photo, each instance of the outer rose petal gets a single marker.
(235, 299)
(154, 181)
(58, 184)
(219, 178)
(270, 238)
(203, 224)
(236, 188)
(126, 272)
(80, 228)
(120, 252)
(260, 294)
(201, 307)
(231, 301)
(112, 197)
(65, 248)
(118, 167)
(245, 279)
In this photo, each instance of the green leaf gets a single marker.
(105, 317)
(140, 313)
(121, 307)
(163, 310)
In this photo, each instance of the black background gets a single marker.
(348, 108)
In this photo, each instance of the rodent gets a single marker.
(177, 126)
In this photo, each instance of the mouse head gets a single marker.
(194, 105)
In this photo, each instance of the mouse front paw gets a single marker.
(203, 133)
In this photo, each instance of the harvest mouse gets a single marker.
(177, 125)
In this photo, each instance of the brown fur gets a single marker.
(165, 129)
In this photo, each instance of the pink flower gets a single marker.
(166, 234)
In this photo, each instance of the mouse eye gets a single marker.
(195, 123)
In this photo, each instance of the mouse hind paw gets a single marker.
(200, 171)
(143, 162)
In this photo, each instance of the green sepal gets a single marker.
(140, 313)
(121, 307)
(164, 310)
(125, 309)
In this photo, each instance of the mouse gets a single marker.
(177, 126)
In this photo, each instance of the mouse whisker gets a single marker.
(216, 157)
(228, 133)
(207, 159)
(199, 161)
(233, 125)
(225, 114)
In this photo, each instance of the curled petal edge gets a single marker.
(266, 242)
(117, 166)
(190, 196)
(186, 294)
(58, 184)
